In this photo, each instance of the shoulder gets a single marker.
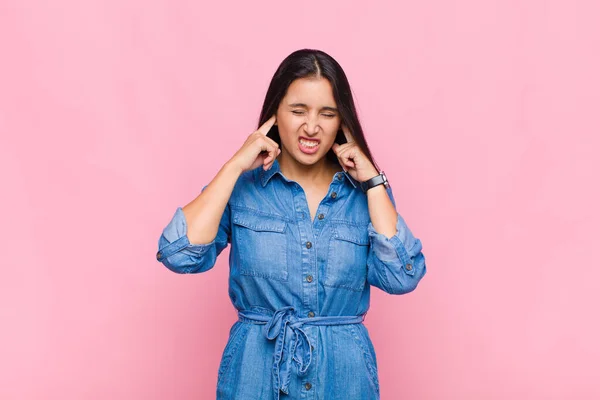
(246, 187)
(249, 179)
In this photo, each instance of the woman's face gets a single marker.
(308, 120)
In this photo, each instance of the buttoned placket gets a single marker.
(309, 231)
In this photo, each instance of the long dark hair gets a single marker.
(315, 63)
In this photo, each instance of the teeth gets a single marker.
(308, 143)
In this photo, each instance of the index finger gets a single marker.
(349, 137)
(266, 127)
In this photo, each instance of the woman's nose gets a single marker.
(312, 124)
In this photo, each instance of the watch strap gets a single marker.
(377, 180)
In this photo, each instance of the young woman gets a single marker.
(313, 225)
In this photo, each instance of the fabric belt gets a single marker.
(292, 342)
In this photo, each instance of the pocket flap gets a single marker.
(258, 222)
(352, 233)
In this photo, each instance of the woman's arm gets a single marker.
(200, 231)
(395, 261)
(203, 214)
(381, 210)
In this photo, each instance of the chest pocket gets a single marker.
(261, 243)
(347, 257)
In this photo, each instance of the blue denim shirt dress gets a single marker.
(301, 287)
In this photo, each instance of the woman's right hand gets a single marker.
(257, 149)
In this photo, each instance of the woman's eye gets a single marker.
(302, 112)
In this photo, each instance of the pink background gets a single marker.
(485, 114)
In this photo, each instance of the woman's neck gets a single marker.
(320, 172)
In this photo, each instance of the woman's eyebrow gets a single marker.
(305, 106)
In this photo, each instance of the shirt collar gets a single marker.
(265, 176)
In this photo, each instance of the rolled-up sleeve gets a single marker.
(179, 255)
(395, 264)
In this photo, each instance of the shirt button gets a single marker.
(321, 216)
(312, 348)
(339, 177)
(158, 255)
(408, 267)
(333, 195)
(311, 314)
(308, 245)
(307, 385)
(309, 278)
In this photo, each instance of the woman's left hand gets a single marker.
(352, 158)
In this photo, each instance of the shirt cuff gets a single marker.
(174, 239)
(401, 246)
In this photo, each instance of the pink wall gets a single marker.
(485, 114)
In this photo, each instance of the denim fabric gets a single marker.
(301, 287)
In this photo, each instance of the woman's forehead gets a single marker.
(310, 93)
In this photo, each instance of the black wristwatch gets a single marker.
(375, 181)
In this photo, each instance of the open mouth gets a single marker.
(308, 146)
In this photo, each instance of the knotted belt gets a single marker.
(292, 342)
